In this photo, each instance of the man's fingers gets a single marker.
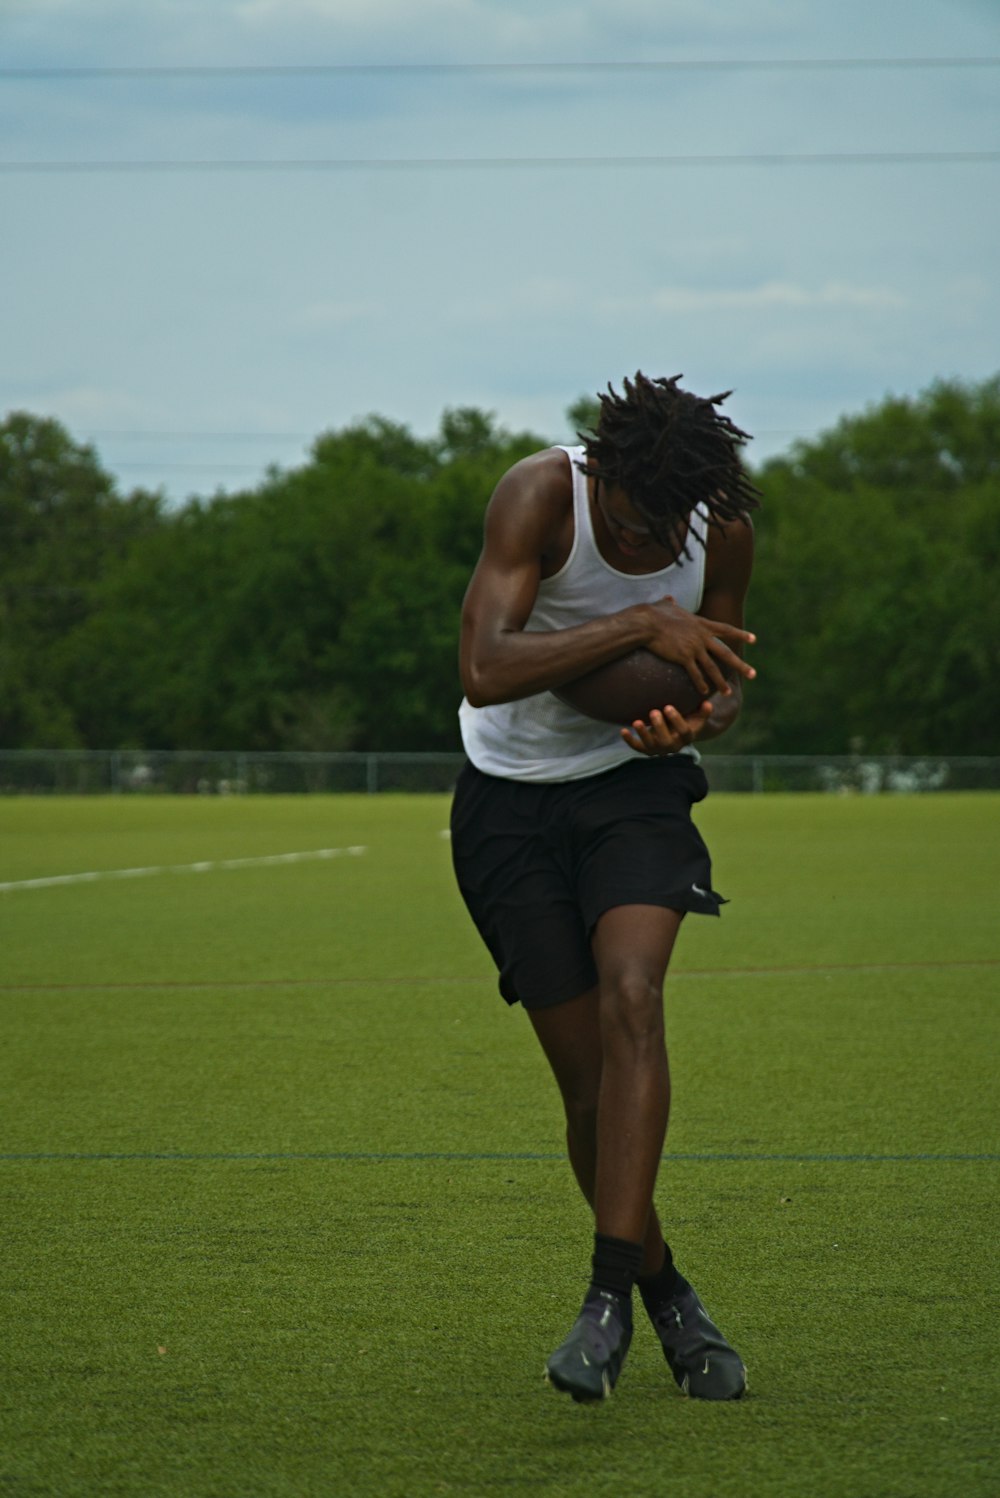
(715, 674)
(667, 731)
(733, 661)
(708, 651)
(731, 632)
(661, 732)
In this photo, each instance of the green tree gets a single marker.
(397, 651)
(64, 528)
(873, 594)
(319, 611)
(583, 414)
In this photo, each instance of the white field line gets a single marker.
(204, 867)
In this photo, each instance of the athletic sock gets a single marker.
(661, 1286)
(615, 1263)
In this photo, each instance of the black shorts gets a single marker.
(539, 863)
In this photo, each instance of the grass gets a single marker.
(282, 1183)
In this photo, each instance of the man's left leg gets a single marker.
(632, 945)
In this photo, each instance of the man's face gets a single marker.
(630, 532)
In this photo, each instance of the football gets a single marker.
(631, 687)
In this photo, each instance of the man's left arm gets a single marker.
(728, 565)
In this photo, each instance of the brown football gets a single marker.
(630, 687)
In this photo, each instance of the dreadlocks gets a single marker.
(668, 451)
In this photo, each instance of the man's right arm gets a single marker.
(499, 662)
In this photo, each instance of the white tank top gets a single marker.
(539, 737)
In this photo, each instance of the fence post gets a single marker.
(371, 773)
(758, 775)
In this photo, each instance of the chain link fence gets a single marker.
(214, 773)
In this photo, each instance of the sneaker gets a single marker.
(588, 1363)
(701, 1360)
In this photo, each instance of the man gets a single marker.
(573, 842)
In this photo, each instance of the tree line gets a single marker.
(319, 610)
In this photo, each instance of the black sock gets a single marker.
(658, 1287)
(615, 1264)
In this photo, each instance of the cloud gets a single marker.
(337, 314)
(359, 31)
(92, 406)
(397, 31)
(770, 295)
(537, 298)
(562, 299)
(498, 20)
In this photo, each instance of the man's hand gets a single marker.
(667, 732)
(699, 645)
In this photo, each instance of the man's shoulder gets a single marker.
(540, 485)
(532, 506)
(545, 473)
(729, 549)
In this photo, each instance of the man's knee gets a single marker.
(632, 1010)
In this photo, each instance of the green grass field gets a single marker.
(283, 1198)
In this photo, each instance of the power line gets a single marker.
(501, 163)
(348, 69)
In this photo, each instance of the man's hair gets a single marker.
(668, 451)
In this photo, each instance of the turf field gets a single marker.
(283, 1199)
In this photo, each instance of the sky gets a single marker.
(227, 226)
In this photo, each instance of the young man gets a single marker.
(573, 842)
